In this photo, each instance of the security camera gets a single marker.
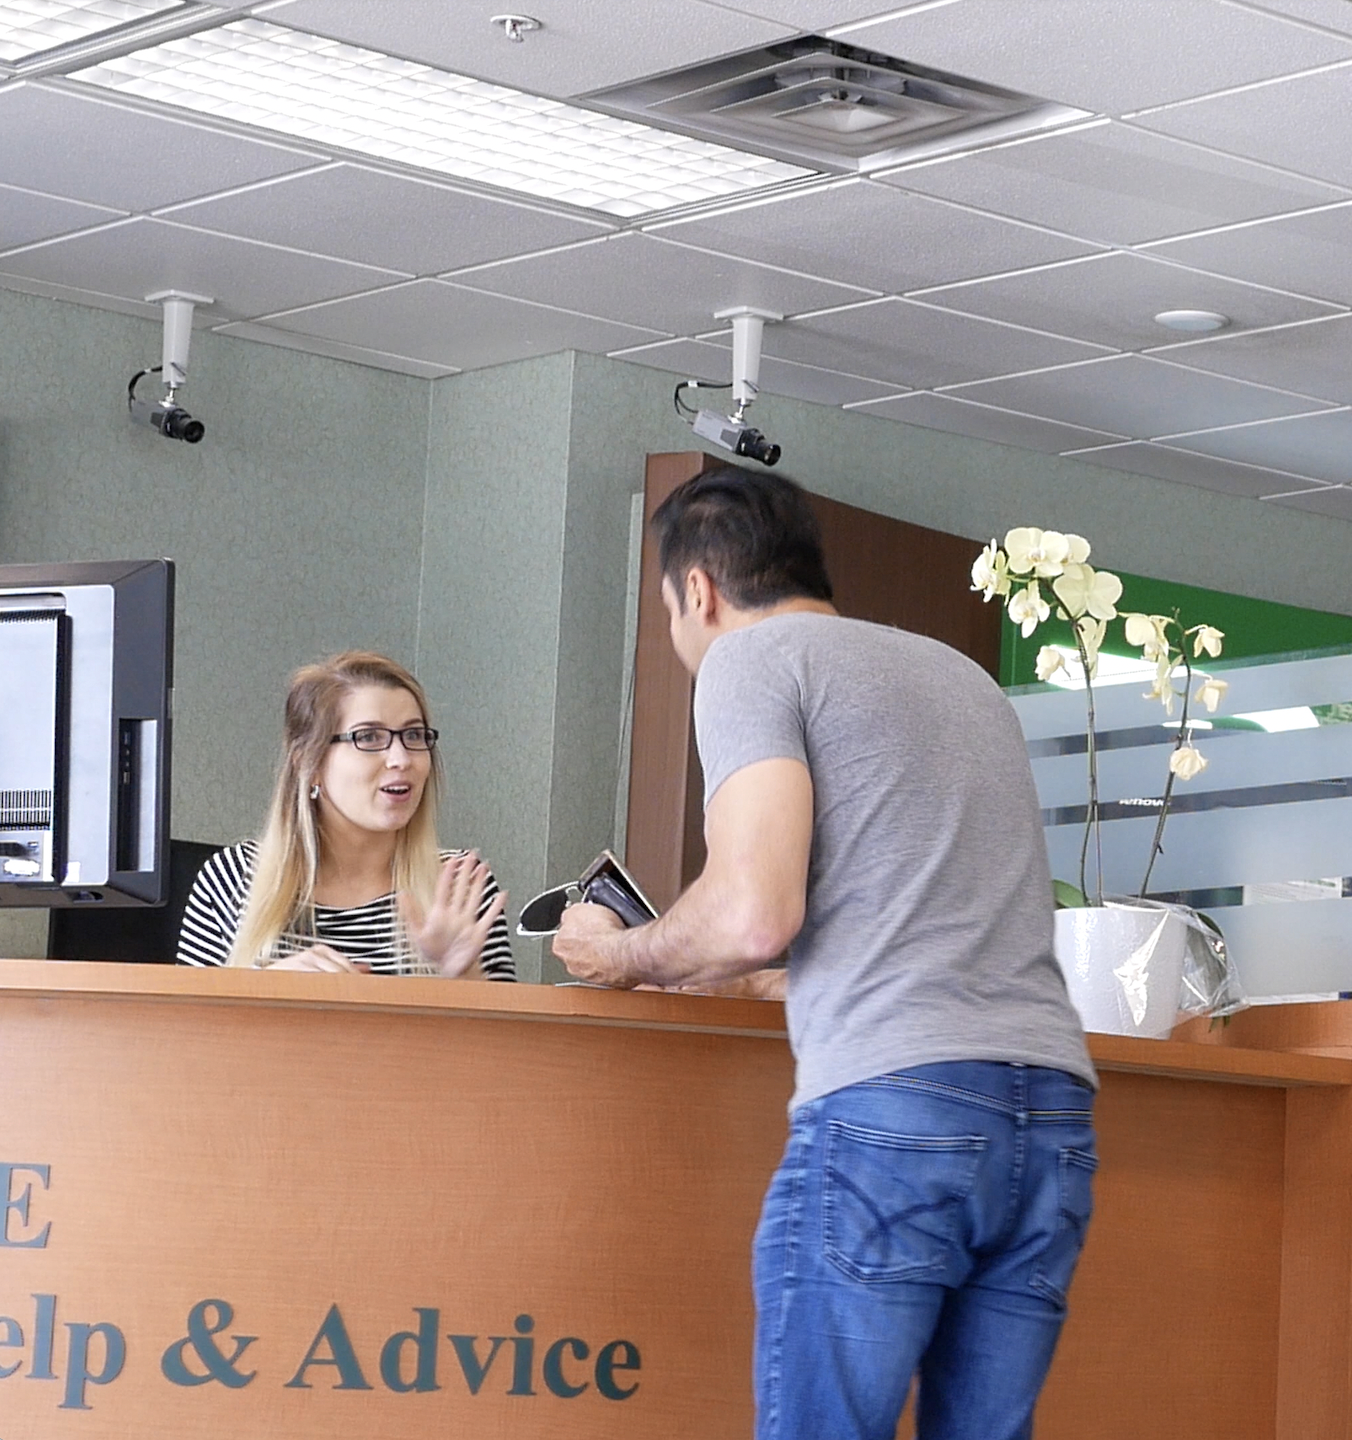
(735, 435)
(733, 432)
(166, 415)
(172, 421)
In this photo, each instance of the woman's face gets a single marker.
(376, 790)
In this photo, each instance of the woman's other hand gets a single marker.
(319, 957)
(450, 935)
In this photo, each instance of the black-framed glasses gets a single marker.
(381, 737)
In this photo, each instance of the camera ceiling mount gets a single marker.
(167, 415)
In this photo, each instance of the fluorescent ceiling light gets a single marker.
(31, 27)
(341, 95)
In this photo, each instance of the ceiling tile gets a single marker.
(73, 295)
(585, 44)
(405, 224)
(138, 257)
(1304, 253)
(706, 360)
(111, 155)
(26, 216)
(447, 325)
(815, 15)
(874, 235)
(1112, 183)
(1185, 468)
(1299, 124)
(1335, 501)
(962, 417)
(914, 345)
(1333, 14)
(313, 345)
(1319, 446)
(646, 281)
(1315, 358)
(1112, 300)
(1136, 396)
(1103, 55)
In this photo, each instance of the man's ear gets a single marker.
(701, 594)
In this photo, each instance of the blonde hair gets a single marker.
(281, 897)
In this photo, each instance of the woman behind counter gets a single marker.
(347, 874)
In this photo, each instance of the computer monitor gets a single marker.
(86, 670)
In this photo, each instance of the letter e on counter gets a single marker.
(16, 1196)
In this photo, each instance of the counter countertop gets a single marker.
(584, 1005)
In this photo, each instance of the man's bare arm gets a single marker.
(768, 984)
(738, 916)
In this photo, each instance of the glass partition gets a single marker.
(1261, 840)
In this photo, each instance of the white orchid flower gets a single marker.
(1187, 761)
(1150, 632)
(1091, 633)
(1137, 628)
(1049, 661)
(1163, 688)
(1079, 549)
(1041, 553)
(1086, 591)
(1211, 692)
(1028, 609)
(1208, 638)
(990, 573)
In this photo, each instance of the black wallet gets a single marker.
(604, 882)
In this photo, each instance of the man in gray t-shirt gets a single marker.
(869, 806)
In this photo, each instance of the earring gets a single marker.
(314, 791)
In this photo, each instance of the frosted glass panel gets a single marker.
(1270, 809)
(1281, 684)
(1262, 844)
(1298, 949)
(1236, 760)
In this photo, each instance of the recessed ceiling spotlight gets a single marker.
(1194, 321)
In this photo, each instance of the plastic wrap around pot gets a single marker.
(1123, 966)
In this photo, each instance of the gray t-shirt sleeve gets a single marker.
(748, 707)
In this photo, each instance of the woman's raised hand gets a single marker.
(450, 935)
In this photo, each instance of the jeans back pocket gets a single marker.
(892, 1204)
(1075, 1204)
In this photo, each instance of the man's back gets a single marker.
(928, 928)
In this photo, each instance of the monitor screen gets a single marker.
(86, 670)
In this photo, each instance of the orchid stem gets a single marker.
(1184, 734)
(1091, 821)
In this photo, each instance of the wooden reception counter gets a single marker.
(294, 1206)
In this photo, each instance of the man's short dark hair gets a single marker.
(752, 532)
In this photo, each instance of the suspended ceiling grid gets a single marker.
(1006, 291)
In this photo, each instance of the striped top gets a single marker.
(370, 933)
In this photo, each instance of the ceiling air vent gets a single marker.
(834, 107)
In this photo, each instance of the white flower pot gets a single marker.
(1124, 967)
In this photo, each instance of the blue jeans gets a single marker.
(922, 1223)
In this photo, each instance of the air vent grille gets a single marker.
(832, 106)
